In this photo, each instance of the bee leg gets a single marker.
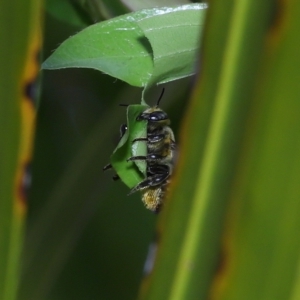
(158, 169)
(107, 167)
(115, 177)
(142, 185)
(156, 137)
(140, 157)
(152, 138)
(148, 158)
(140, 140)
(151, 181)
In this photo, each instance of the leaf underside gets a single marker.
(141, 48)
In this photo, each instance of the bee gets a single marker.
(160, 158)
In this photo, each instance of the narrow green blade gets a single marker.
(262, 237)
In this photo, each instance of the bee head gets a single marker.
(155, 114)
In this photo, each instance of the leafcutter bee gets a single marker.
(158, 158)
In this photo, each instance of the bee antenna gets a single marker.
(124, 105)
(161, 95)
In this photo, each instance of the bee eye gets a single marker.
(158, 116)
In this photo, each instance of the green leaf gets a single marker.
(131, 173)
(175, 37)
(138, 48)
(113, 47)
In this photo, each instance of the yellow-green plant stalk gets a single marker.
(20, 43)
